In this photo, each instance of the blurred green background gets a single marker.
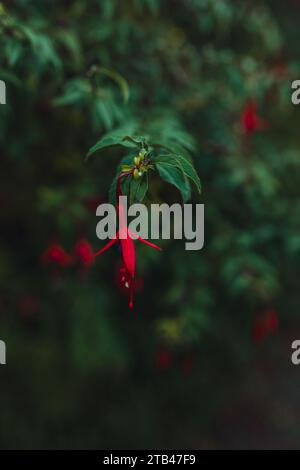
(203, 360)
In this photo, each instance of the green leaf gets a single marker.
(13, 52)
(112, 191)
(186, 166)
(75, 91)
(174, 175)
(171, 147)
(10, 77)
(189, 171)
(103, 111)
(114, 139)
(138, 189)
(42, 46)
(70, 41)
(138, 141)
(165, 130)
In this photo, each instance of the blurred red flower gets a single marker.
(124, 280)
(271, 321)
(163, 359)
(84, 252)
(265, 324)
(250, 120)
(55, 254)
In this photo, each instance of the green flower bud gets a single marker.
(142, 153)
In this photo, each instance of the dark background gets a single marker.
(203, 359)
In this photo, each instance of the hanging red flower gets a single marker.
(250, 120)
(123, 281)
(264, 325)
(271, 321)
(84, 252)
(55, 254)
(125, 237)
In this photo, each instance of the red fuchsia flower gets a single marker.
(264, 325)
(138, 285)
(250, 120)
(124, 281)
(55, 254)
(163, 359)
(84, 252)
(271, 321)
(125, 237)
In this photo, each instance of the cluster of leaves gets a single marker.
(166, 151)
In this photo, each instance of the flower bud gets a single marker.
(136, 174)
(125, 168)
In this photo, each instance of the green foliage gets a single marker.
(138, 189)
(166, 134)
(182, 164)
(173, 78)
(116, 138)
(173, 175)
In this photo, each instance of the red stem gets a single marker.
(119, 191)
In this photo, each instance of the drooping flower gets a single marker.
(84, 252)
(123, 280)
(250, 120)
(125, 237)
(271, 321)
(55, 254)
(265, 324)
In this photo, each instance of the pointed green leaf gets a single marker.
(114, 139)
(185, 164)
(174, 175)
(138, 189)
